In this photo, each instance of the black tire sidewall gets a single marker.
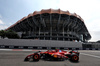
(72, 58)
(37, 58)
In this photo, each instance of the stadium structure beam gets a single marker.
(29, 23)
(50, 33)
(50, 20)
(58, 20)
(69, 23)
(23, 26)
(50, 27)
(14, 28)
(63, 33)
(74, 23)
(80, 27)
(17, 27)
(66, 22)
(35, 22)
(39, 31)
(42, 21)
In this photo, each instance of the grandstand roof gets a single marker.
(50, 11)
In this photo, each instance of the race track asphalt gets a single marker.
(16, 58)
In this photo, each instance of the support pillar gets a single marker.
(50, 33)
(63, 34)
(39, 32)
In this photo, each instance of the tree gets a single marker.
(9, 34)
(2, 34)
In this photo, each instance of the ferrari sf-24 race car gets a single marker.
(54, 55)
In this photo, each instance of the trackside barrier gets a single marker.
(39, 44)
(90, 48)
(35, 47)
(42, 47)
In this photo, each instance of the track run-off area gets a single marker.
(16, 58)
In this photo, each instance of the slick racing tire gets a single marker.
(74, 58)
(36, 57)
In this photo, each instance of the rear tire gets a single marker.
(74, 58)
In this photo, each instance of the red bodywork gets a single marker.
(54, 54)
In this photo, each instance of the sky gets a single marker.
(13, 10)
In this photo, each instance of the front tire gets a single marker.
(36, 57)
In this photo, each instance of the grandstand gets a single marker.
(48, 29)
(52, 24)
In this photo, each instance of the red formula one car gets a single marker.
(54, 55)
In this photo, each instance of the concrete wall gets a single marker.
(91, 46)
(40, 44)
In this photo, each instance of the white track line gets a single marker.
(90, 55)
